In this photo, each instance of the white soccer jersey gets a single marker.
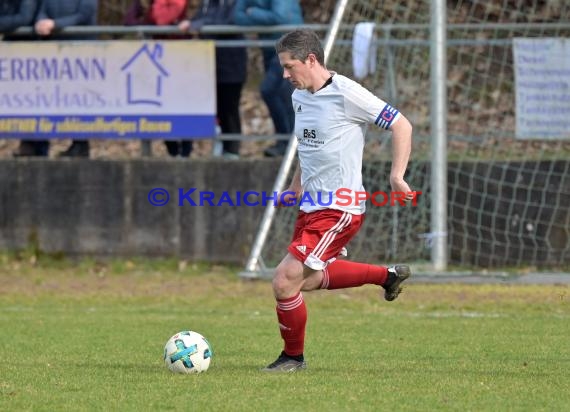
(330, 125)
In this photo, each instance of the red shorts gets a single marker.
(320, 236)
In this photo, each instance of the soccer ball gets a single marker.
(187, 352)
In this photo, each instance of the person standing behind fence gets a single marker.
(161, 13)
(14, 14)
(57, 14)
(275, 90)
(231, 67)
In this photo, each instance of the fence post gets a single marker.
(438, 78)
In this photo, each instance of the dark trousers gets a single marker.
(34, 147)
(276, 93)
(228, 96)
(179, 148)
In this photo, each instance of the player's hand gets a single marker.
(288, 198)
(399, 185)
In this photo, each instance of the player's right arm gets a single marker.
(293, 192)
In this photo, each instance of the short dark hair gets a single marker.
(300, 43)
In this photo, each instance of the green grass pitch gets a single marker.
(89, 336)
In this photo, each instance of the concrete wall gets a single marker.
(99, 207)
(500, 213)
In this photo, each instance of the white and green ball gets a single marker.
(187, 352)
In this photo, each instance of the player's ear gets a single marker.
(312, 59)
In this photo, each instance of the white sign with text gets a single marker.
(113, 89)
(542, 85)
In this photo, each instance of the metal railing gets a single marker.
(233, 29)
(250, 41)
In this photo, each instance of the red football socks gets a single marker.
(292, 312)
(292, 317)
(342, 274)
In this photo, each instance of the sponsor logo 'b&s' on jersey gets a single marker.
(309, 133)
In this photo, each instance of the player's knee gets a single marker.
(286, 282)
(313, 280)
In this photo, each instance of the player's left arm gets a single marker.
(364, 107)
(401, 149)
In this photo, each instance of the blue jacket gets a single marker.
(231, 62)
(17, 13)
(69, 13)
(268, 13)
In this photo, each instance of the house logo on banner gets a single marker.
(145, 76)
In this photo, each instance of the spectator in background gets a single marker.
(231, 68)
(155, 12)
(14, 14)
(161, 13)
(57, 14)
(275, 90)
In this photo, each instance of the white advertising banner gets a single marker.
(112, 89)
(542, 84)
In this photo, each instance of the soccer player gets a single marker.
(332, 113)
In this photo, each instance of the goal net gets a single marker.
(508, 182)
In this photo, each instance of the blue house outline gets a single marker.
(153, 56)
